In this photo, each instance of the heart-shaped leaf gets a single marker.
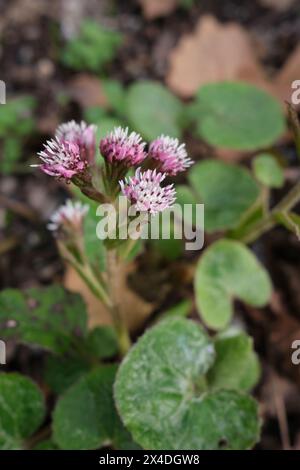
(236, 365)
(51, 318)
(85, 416)
(237, 115)
(226, 270)
(152, 110)
(268, 171)
(22, 410)
(227, 192)
(161, 393)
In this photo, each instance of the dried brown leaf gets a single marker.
(156, 8)
(211, 53)
(279, 5)
(87, 91)
(135, 310)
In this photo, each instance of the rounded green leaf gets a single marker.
(161, 393)
(268, 171)
(237, 115)
(50, 317)
(221, 420)
(61, 372)
(236, 365)
(152, 110)
(227, 192)
(22, 410)
(85, 416)
(226, 270)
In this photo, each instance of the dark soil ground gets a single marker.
(30, 41)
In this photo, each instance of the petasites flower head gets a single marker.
(120, 146)
(144, 190)
(171, 156)
(69, 216)
(82, 134)
(61, 159)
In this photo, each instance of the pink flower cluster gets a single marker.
(70, 215)
(70, 152)
(168, 154)
(119, 146)
(145, 192)
(73, 149)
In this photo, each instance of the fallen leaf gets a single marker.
(135, 310)
(214, 52)
(156, 8)
(289, 72)
(87, 91)
(279, 5)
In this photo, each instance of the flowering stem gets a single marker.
(271, 219)
(113, 272)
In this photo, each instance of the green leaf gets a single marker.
(237, 115)
(106, 125)
(162, 397)
(227, 192)
(85, 416)
(236, 365)
(62, 372)
(102, 342)
(182, 309)
(22, 410)
(226, 270)
(268, 171)
(12, 152)
(92, 49)
(152, 110)
(48, 444)
(116, 95)
(16, 117)
(51, 318)
(185, 195)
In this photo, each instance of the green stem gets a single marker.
(271, 219)
(113, 271)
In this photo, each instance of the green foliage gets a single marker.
(62, 371)
(94, 422)
(22, 410)
(102, 342)
(51, 318)
(237, 115)
(94, 48)
(236, 365)
(164, 398)
(268, 171)
(226, 190)
(16, 122)
(182, 309)
(226, 270)
(116, 96)
(152, 110)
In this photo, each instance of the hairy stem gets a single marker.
(113, 272)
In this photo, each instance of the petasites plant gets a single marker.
(178, 387)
